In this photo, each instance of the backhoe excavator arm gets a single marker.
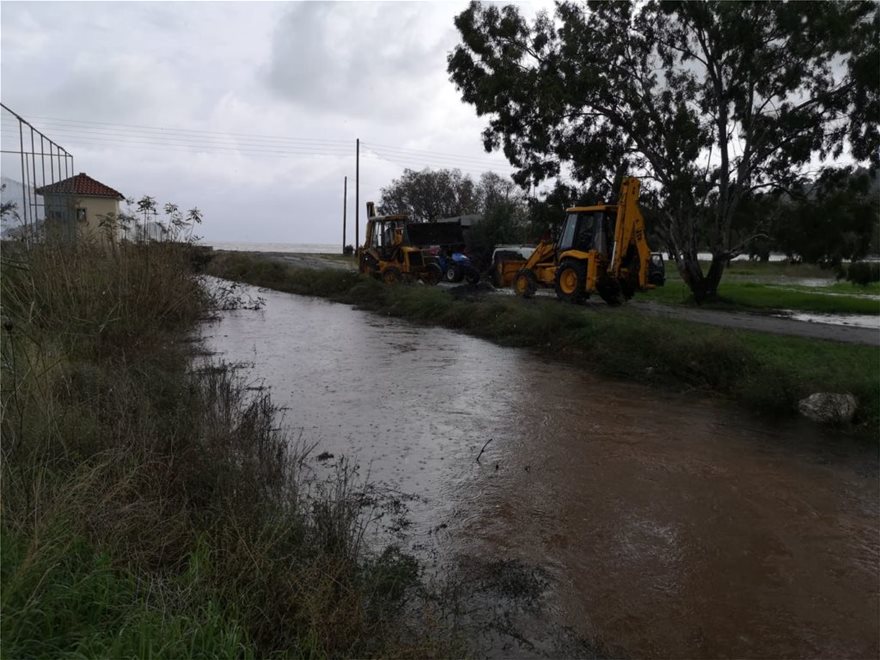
(629, 229)
(545, 251)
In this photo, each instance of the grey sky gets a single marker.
(320, 73)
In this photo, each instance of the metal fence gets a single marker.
(42, 162)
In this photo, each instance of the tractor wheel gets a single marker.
(571, 279)
(525, 283)
(610, 291)
(392, 275)
(471, 276)
(452, 274)
(432, 274)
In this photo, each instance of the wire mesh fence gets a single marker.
(37, 161)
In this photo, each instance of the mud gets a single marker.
(603, 518)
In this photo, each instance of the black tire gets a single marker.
(571, 281)
(525, 283)
(432, 274)
(656, 278)
(471, 276)
(610, 291)
(452, 274)
(392, 275)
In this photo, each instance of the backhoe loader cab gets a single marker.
(388, 255)
(601, 249)
(585, 229)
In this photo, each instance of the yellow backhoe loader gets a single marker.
(388, 254)
(601, 249)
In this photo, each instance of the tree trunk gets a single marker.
(703, 287)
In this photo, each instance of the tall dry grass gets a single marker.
(152, 506)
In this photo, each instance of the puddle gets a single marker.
(853, 320)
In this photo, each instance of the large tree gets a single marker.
(430, 194)
(709, 103)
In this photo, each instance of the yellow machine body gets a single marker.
(601, 249)
(387, 255)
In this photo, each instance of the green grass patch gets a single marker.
(737, 293)
(765, 372)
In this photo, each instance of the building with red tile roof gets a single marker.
(81, 206)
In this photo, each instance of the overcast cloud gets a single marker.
(320, 74)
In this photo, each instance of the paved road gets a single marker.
(765, 323)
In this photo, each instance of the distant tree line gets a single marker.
(825, 220)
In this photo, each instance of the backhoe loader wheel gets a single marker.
(571, 278)
(392, 275)
(525, 283)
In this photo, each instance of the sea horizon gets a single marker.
(266, 246)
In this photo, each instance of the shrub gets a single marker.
(863, 272)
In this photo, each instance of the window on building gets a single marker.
(80, 215)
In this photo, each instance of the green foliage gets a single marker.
(695, 97)
(829, 221)
(430, 194)
(61, 599)
(863, 272)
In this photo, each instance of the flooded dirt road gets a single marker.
(659, 525)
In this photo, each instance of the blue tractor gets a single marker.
(457, 267)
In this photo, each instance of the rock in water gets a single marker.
(827, 407)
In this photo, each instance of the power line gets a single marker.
(186, 130)
(198, 137)
(136, 143)
(195, 140)
(106, 134)
(116, 134)
(195, 147)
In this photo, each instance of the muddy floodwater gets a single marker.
(659, 524)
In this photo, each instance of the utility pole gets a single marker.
(357, 195)
(344, 204)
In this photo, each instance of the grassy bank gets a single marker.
(765, 372)
(775, 287)
(154, 509)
